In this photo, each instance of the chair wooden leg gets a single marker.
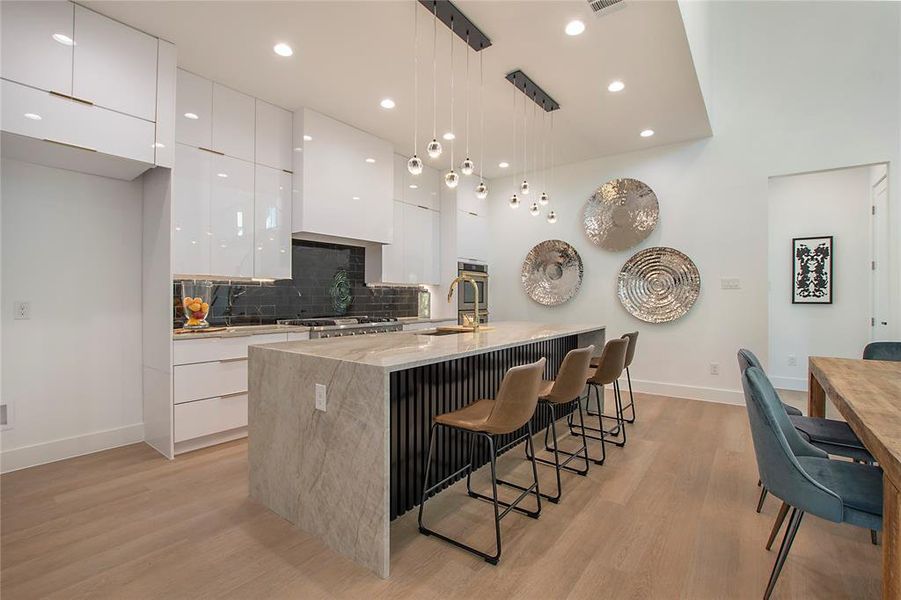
(873, 537)
(763, 492)
(783, 510)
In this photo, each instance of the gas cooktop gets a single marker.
(327, 327)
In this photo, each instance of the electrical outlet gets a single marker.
(320, 397)
(792, 360)
(714, 368)
(730, 283)
(22, 310)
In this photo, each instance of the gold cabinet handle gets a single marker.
(76, 146)
(70, 97)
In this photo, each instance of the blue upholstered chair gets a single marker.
(801, 474)
(882, 351)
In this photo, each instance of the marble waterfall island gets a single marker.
(345, 472)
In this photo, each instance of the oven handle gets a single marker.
(474, 274)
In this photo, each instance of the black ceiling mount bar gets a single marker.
(463, 27)
(531, 89)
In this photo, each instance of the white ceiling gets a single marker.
(350, 55)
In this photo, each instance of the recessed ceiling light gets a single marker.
(370, 160)
(191, 116)
(575, 27)
(387, 103)
(413, 186)
(616, 86)
(283, 49)
(503, 165)
(308, 138)
(223, 175)
(647, 133)
(63, 39)
(449, 136)
(33, 116)
(356, 198)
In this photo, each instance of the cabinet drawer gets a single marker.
(74, 123)
(209, 379)
(299, 336)
(214, 349)
(205, 417)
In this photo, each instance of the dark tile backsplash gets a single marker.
(307, 294)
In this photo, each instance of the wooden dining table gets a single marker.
(867, 393)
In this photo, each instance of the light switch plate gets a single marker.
(730, 283)
(320, 397)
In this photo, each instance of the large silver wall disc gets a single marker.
(552, 272)
(621, 213)
(659, 285)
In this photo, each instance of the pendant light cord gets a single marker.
(452, 35)
(481, 114)
(515, 117)
(467, 93)
(415, 77)
(525, 140)
(435, 73)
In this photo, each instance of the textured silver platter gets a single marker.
(552, 272)
(658, 285)
(620, 214)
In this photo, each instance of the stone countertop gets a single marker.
(417, 320)
(240, 331)
(404, 350)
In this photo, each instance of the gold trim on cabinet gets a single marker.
(70, 97)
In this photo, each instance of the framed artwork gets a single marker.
(812, 270)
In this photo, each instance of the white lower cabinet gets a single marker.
(210, 387)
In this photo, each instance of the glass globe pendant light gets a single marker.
(434, 147)
(534, 210)
(552, 217)
(467, 167)
(524, 187)
(481, 191)
(514, 201)
(414, 165)
(543, 200)
(451, 179)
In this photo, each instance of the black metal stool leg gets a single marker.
(631, 398)
(790, 532)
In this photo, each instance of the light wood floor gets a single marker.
(670, 516)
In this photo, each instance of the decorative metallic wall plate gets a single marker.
(552, 272)
(659, 284)
(621, 213)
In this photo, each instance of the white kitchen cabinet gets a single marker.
(466, 197)
(193, 110)
(472, 236)
(421, 248)
(274, 136)
(233, 119)
(347, 182)
(166, 78)
(29, 53)
(231, 217)
(394, 254)
(272, 223)
(209, 417)
(191, 191)
(400, 167)
(114, 65)
(65, 121)
(425, 192)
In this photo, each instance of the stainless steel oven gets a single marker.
(465, 294)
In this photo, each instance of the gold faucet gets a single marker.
(475, 287)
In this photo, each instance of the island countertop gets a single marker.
(405, 350)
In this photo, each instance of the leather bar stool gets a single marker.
(510, 411)
(610, 367)
(632, 338)
(560, 394)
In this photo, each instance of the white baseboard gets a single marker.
(690, 392)
(39, 454)
(797, 384)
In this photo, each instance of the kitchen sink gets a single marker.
(442, 332)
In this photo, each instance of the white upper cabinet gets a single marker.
(421, 234)
(29, 52)
(422, 189)
(114, 66)
(272, 223)
(394, 254)
(231, 217)
(191, 190)
(400, 166)
(166, 76)
(274, 136)
(466, 197)
(472, 236)
(233, 122)
(348, 182)
(193, 110)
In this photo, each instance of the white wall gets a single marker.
(835, 203)
(781, 100)
(72, 248)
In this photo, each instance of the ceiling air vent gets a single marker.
(600, 7)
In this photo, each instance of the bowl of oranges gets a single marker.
(195, 299)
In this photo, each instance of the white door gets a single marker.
(880, 329)
(193, 110)
(191, 190)
(272, 223)
(231, 217)
(114, 66)
(36, 44)
(274, 136)
(233, 122)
